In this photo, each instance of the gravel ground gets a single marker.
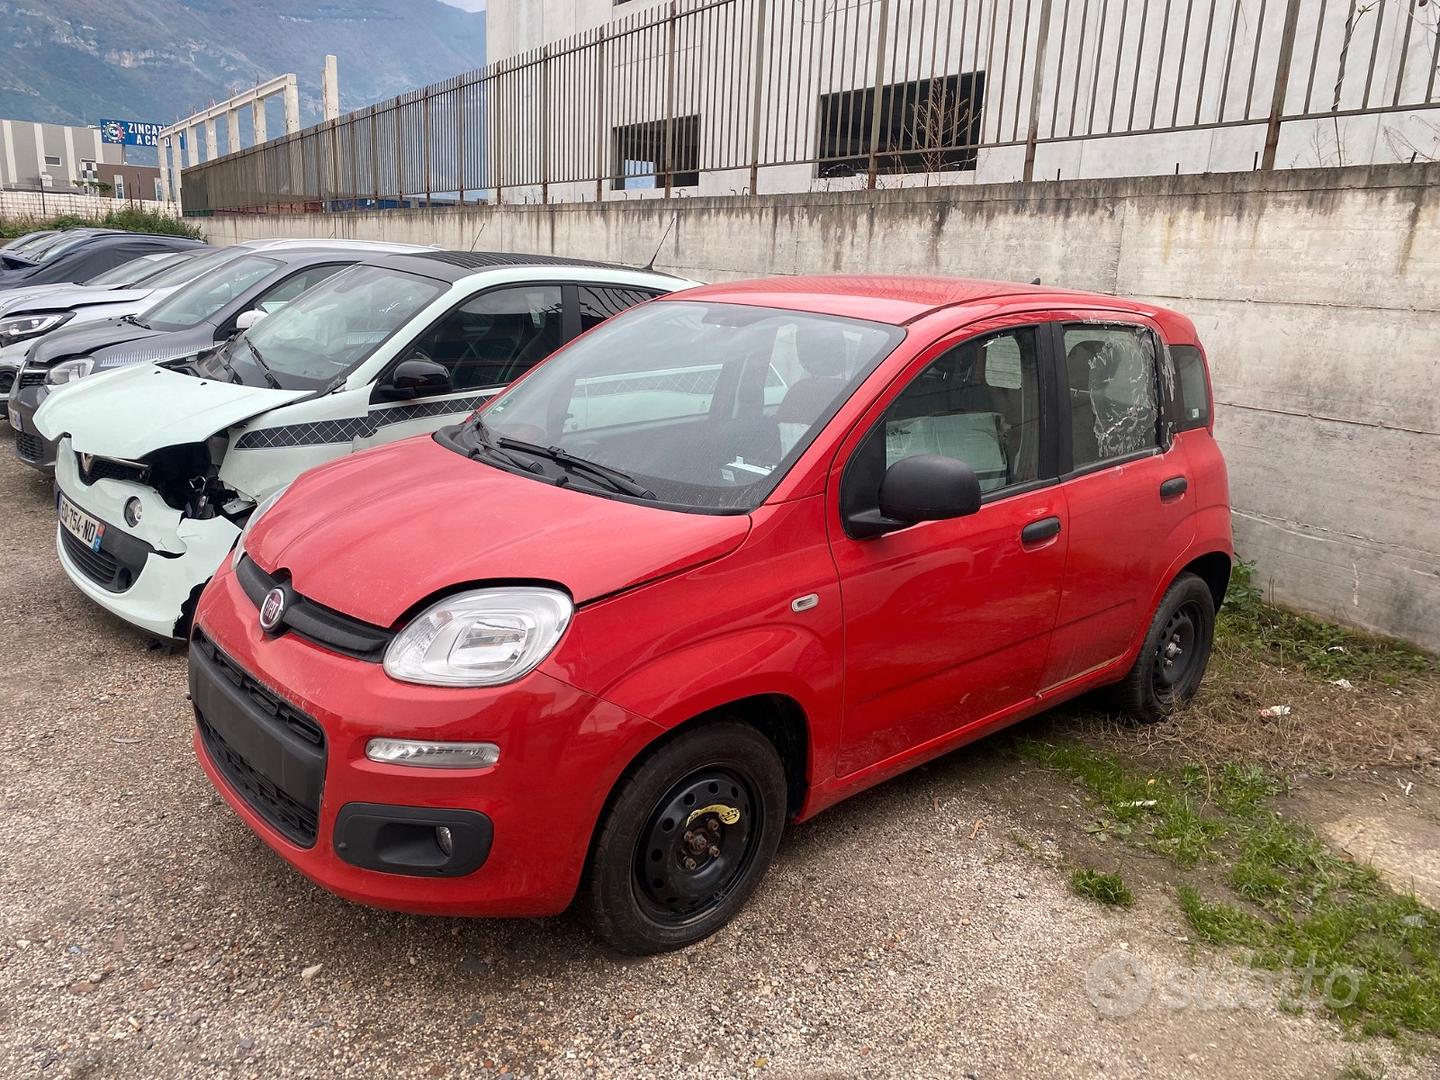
(145, 932)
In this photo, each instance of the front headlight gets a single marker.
(252, 521)
(69, 371)
(486, 637)
(19, 327)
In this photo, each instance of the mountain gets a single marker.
(76, 61)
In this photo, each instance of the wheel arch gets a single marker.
(1213, 568)
(779, 717)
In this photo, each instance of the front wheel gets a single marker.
(687, 837)
(1176, 651)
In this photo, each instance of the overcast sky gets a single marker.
(468, 5)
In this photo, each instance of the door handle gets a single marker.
(1176, 485)
(1039, 531)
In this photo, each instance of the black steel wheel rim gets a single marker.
(1178, 652)
(697, 845)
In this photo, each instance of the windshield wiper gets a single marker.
(264, 367)
(224, 363)
(618, 481)
(134, 321)
(485, 444)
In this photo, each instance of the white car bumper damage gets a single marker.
(149, 574)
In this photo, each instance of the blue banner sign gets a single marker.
(130, 132)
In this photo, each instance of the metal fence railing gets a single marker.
(820, 89)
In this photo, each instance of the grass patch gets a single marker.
(1297, 906)
(128, 219)
(1248, 624)
(1102, 888)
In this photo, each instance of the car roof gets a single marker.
(898, 299)
(303, 256)
(378, 246)
(114, 236)
(454, 266)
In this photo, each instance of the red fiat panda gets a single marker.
(732, 556)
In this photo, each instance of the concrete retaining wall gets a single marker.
(1317, 293)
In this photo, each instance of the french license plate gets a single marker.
(81, 525)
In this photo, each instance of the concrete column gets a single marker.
(192, 146)
(212, 141)
(164, 149)
(331, 87)
(292, 105)
(257, 120)
(232, 131)
(9, 175)
(71, 172)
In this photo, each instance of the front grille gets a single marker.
(31, 448)
(296, 819)
(110, 469)
(100, 566)
(7, 380)
(315, 622)
(32, 378)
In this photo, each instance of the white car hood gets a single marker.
(60, 297)
(133, 411)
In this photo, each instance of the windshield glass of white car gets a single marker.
(205, 296)
(701, 406)
(324, 333)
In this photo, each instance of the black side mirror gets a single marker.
(926, 487)
(417, 378)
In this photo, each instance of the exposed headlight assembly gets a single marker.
(252, 521)
(486, 637)
(20, 327)
(69, 371)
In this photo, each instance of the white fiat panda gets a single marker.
(160, 465)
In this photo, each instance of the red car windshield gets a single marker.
(706, 406)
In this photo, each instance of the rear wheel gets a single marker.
(1176, 651)
(687, 837)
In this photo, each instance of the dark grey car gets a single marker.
(191, 320)
(82, 253)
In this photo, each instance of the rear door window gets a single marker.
(600, 302)
(1112, 390)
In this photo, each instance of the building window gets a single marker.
(930, 125)
(52, 161)
(119, 186)
(641, 160)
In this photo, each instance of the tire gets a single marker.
(638, 893)
(1176, 651)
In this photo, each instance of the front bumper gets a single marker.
(165, 560)
(30, 446)
(561, 752)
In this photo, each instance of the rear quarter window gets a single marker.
(1191, 405)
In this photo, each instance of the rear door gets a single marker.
(948, 623)
(1125, 486)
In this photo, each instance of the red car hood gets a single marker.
(375, 533)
